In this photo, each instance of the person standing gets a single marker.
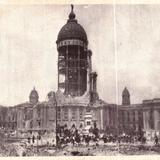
(33, 139)
(156, 140)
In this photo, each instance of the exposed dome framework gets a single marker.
(72, 46)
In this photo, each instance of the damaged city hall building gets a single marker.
(76, 102)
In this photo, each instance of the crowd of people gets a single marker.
(76, 137)
(33, 138)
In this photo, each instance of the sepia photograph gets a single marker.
(79, 80)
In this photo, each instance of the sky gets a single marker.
(125, 45)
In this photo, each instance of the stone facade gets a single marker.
(131, 119)
(77, 102)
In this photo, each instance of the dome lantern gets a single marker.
(72, 15)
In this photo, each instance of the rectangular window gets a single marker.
(39, 123)
(110, 116)
(58, 114)
(38, 112)
(151, 119)
(134, 116)
(31, 114)
(120, 116)
(65, 114)
(88, 123)
(88, 110)
(123, 118)
(128, 117)
(74, 114)
(81, 114)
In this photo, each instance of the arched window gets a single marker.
(31, 124)
(81, 114)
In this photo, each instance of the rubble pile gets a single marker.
(68, 100)
(8, 150)
(45, 146)
(81, 151)
(15, 149)
(138, 149)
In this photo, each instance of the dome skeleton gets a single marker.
(72, 45)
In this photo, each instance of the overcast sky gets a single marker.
(28, 54)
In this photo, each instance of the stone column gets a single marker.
(94, 82)
(69, 116)
(89, 68)
(79, 69)
(144, 120)
(91, 82)
(156, 119)
(101, 118)
(66, 76)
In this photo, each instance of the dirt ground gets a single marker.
(20, 148)
(14, 149)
